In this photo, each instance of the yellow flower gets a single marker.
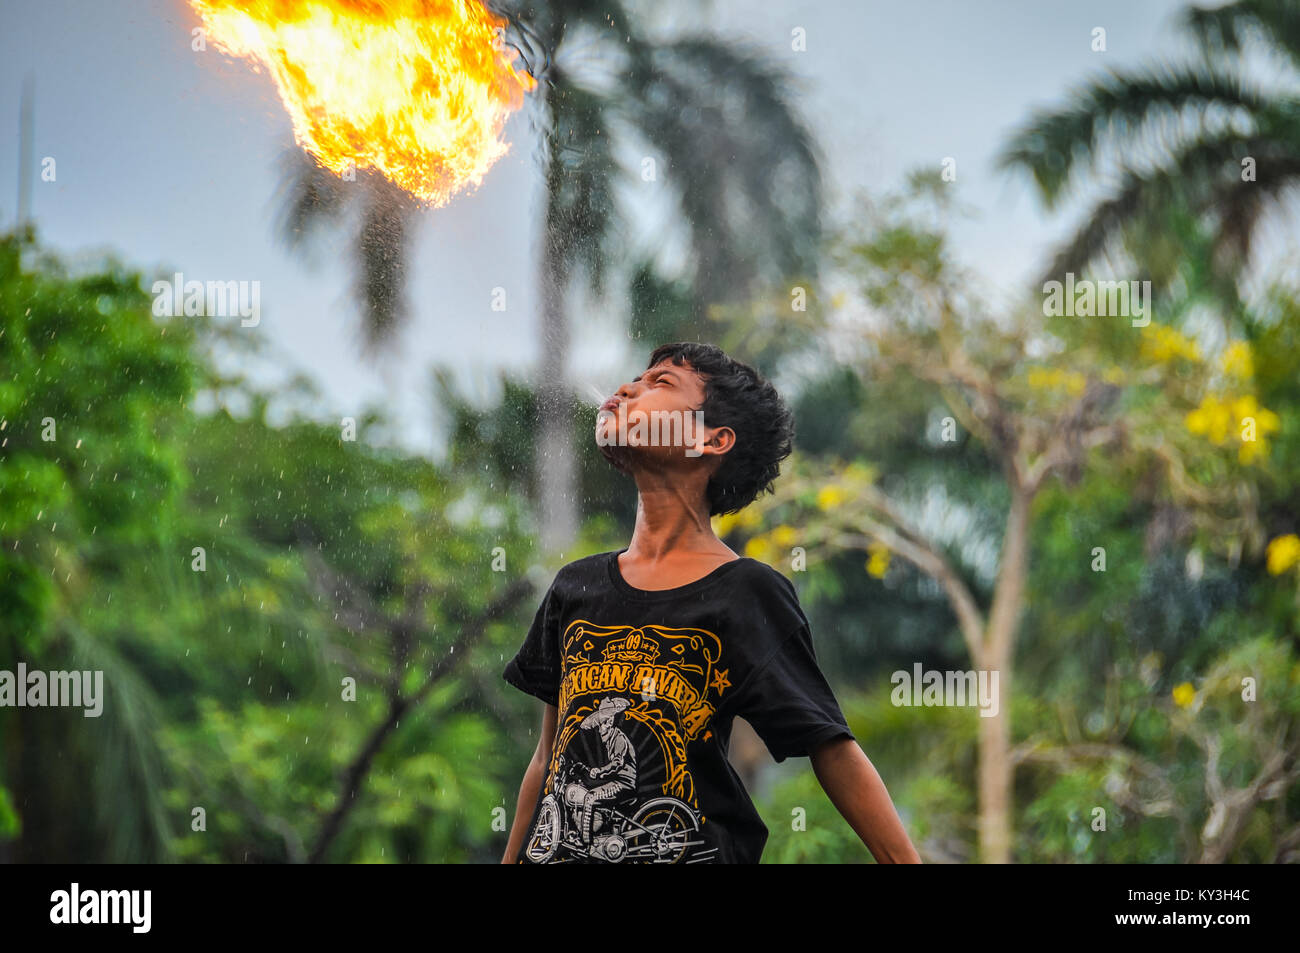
(1218, 417)
(784, 535)
(1184, 694)
(859, 472)
(1040, 378)
(1244, 406)
(758, 548)
(1211, 418)
(1283, 553)
(1053, 378)
(829, 496)
(1266, 422)
(1252, 450)
(725, 523)
(1254, 423)
(1162, 344)
(878, 563)
(750, 518)
(1238, 362)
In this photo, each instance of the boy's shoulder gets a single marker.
(583, 567)
(579, 574)
(762, 572)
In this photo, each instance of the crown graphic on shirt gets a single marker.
(636, 647)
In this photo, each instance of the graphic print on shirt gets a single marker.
(619, 788)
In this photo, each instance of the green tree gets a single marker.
(91, 408)
(1044, 400)
(297, 630)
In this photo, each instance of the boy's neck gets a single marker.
(671, 521)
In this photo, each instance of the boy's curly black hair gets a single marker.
(737, 396)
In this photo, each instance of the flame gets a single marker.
(417, 89)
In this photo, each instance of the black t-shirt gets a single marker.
(647, 684)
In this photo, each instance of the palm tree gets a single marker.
(740, 166)
(1194, 126)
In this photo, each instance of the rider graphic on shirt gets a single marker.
(620, 768)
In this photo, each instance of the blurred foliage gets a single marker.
(1112, 660)
(227, 575)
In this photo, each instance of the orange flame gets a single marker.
(418, 89)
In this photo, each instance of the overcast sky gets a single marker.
(170, 158)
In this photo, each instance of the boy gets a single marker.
(644, 656)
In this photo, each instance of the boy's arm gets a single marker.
(531, 787)
(853, 785)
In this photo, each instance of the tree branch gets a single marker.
(930, 562)
(398, 705)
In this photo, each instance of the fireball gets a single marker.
(419, 90)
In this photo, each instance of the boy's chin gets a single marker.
(617, 457)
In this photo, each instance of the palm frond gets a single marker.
(381, 251)
(126, 777)
(1057, 146)
(313, 199)
(1227, 30)
(1241, 205)
(1206, 178)
(581, 214)
(743, 165)
(310, 198)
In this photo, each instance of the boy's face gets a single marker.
(660, 393)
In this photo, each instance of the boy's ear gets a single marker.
(724, 438)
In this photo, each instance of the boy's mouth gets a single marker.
(611, 404)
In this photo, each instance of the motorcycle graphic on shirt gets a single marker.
(619, 788)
